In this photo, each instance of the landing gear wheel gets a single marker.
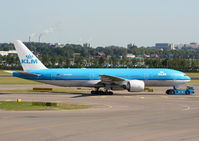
(101, 93)
(168, 92)
(172, 92)
(93, 92)
(187, 92)
(110, 93)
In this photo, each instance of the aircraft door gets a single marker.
(91, 76)
(57, 76)
(146, 78)
(44, 77)
(53, 76)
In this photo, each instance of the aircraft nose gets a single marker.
(187, 78)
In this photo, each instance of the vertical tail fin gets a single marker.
(27, 59)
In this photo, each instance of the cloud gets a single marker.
(47, 31)
(33, 34)
(44, 32)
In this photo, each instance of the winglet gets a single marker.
(27, 59)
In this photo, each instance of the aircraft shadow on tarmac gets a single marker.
(78, 95)
(90, 95)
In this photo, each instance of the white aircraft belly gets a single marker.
(71, 83)
(165, 83)
(92, 83)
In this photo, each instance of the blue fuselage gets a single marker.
(151, 77)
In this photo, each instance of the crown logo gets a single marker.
(29, 56)
(162, 73)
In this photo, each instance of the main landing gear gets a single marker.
(100, 92)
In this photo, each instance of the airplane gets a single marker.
(131, 79)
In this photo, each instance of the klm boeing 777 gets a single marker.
(133, 80)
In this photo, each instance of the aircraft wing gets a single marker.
(108, 79)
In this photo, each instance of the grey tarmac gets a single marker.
(124, 116)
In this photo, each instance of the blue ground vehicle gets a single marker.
(188, 91)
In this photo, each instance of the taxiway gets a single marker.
(123, 116)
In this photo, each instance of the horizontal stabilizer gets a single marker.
(30, 74)
(8, 71)
(23, 72)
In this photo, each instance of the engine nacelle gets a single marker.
(135, 85)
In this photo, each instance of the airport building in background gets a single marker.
(165, 46)
(10, 52)
(86, 45)
(130, 46)
(191, 46)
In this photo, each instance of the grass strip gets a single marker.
(31, 106)
(15, 81)
(194, 81)
(2, 72)
(195, 74)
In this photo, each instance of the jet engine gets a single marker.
(135, 85)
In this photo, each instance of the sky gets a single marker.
(100, 22)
